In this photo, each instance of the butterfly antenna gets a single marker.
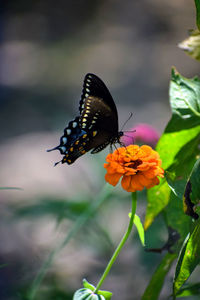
(131, 114)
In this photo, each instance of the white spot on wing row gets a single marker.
(63, 148)
(64, 140)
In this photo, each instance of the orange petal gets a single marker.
(130, 171)
(154, 181)
(126, 181)
(143, 167)
(112, 178)
(149, 174)
(143, 180)
(147, 149)
(111, 167)
(135, 183)
(120, 169)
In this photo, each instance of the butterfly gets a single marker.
(96, 126)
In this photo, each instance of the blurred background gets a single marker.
(46, 48)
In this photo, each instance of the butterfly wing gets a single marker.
(94, 86)
(97, 125)
(97, 117)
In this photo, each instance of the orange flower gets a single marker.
(139, 167)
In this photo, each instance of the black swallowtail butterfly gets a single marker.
(95, 127)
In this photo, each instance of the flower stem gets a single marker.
(121, 244)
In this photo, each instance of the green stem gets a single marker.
(121, 244)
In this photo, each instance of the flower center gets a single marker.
(134, 164)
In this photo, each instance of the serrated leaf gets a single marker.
(189, 258)
(154, 287)
(140, 229)
(87, 294)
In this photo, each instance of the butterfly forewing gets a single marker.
(94, 86)
(97, 125)
(97, 115)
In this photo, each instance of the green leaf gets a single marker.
(189, 258)
(195, 183)
(140, 229)
(87, 294)
(175, 218)
(158, 198)
(185, 159)
(106, 294)
(191, 45)
(178, 145)
(170, 144)
(189, 290)
(192, 191)
(177, 185)
(154, 287)
(88, 285)
(197, 3)
(185, 102)
(179, 171)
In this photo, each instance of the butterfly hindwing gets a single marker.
(95, 127)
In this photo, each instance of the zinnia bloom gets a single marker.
(139, 167)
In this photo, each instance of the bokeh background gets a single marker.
(46, 48)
